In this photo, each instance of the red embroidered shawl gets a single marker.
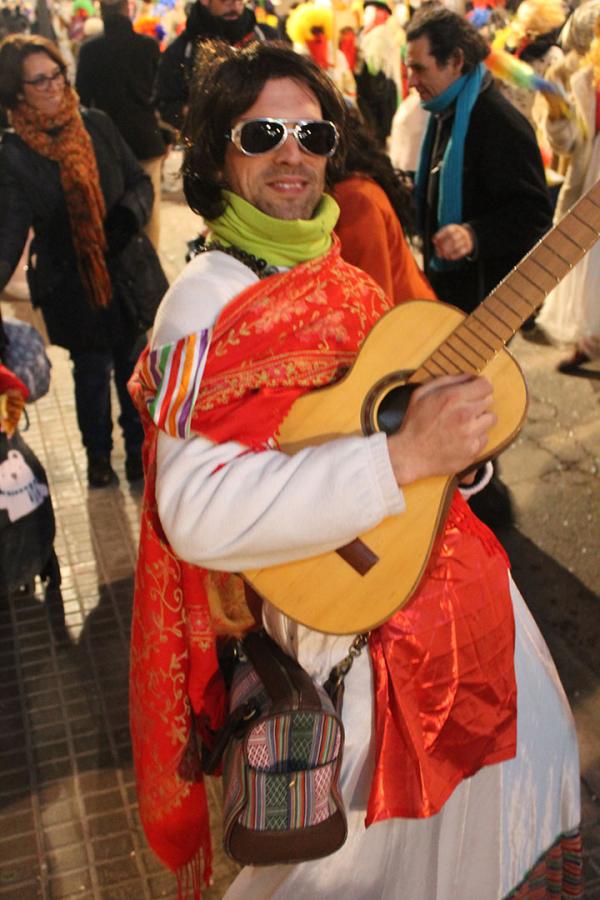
(440, 665)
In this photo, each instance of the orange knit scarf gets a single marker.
(64, 139)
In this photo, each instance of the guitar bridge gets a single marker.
(358, 555)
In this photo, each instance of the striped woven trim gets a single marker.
(559, 873)
(176, 370)
(287, 801)
(283, 743)
(326, 742)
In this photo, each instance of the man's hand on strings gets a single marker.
(445, 429)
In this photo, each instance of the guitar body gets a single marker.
(325, 592)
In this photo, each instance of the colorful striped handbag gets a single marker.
(282, 802)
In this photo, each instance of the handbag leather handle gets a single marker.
(277, 671)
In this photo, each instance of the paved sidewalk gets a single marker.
(69, 824)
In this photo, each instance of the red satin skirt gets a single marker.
(445, 690)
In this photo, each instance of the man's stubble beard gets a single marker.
(293, 208)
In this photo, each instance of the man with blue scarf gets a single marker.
(482, 199)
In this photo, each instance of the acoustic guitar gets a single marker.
(361, 585)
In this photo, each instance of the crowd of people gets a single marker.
(460, 770)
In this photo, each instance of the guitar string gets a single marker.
(519, 295)
(536, 305)
(580, 247)
(494, 349)
(432, 360)
(495, 296)
(557, 278)
(447, 358)
(532, 305)
(531, 281)
(567, 262)
(458, 352)
(589, 196)
(593, 229)
(459, 337)
(490, 312)
(483, 325)
(554, 277)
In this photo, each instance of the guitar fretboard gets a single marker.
(476, 341)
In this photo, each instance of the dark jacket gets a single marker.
(377, 99)
(177, 61)
(116, 72)
(31, 196)
(505, 198)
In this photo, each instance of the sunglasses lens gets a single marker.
(319, 138)
(260, 137)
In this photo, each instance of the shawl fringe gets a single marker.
(191, 876)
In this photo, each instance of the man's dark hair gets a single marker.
(447, 33)
(225, 84)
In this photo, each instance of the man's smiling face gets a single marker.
(286, 183)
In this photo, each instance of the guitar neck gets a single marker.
(477, 340)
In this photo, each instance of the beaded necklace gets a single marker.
(258, 265)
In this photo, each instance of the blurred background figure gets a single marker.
(481, 194)
(27, 524)
(571, 313)
(116, 71)
(408, 127)
(229, 20)
(69, 175)
(575, 40)
(13, 20)
(375, 215)
(532, 36)
(378, 78)
(313, 30)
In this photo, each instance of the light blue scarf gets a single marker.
(464, 91)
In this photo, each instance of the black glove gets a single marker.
(120, 226)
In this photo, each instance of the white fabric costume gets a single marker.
(571, 312)
(266, 508)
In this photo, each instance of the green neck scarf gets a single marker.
(282, 242)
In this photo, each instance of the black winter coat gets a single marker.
(505, 198)
(31, 196)
(116, 73)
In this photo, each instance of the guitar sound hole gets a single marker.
(392, 408)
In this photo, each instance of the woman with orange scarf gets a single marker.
(68, 175)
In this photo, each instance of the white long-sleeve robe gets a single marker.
(264, 508)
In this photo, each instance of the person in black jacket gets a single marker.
(481, 194)
(227, 20)
(69, 175)
(116, 72)
(482, 198)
